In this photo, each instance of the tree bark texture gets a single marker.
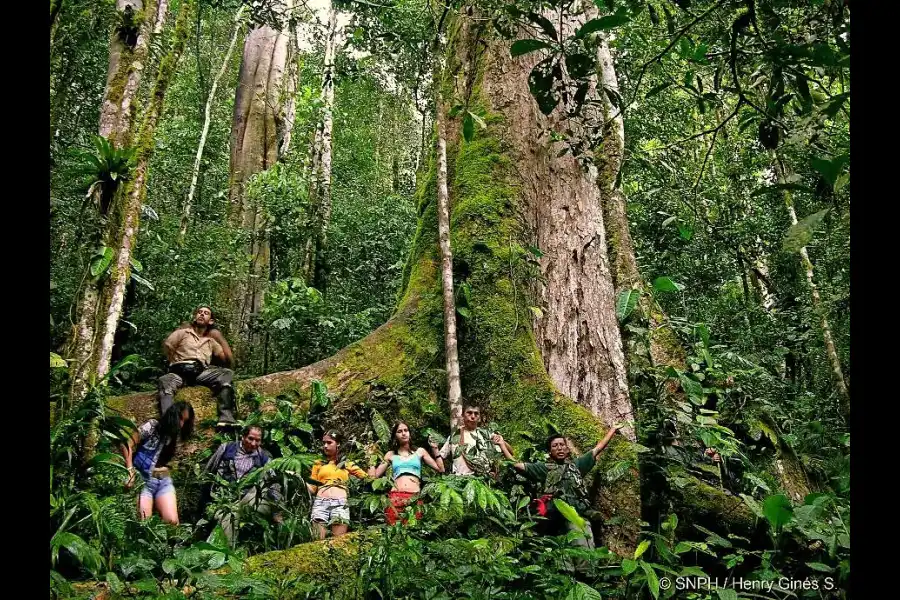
(207, 119)
(579, 334)
(258, 116)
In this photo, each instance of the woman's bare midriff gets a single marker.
(331, 492)
(407, 483)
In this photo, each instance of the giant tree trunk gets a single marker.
(258, 118)
(128, 52)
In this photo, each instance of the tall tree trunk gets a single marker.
(315, 260)
(207, 119)
(454, 391)
(128, 48)
(258, 117)
(578, 334)
(834, 360)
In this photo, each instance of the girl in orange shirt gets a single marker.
(332, 475)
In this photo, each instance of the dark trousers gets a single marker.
(217, 379)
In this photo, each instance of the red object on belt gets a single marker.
(542, 503)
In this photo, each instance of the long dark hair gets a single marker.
(171, 430)
(338, 438)
(395, 445)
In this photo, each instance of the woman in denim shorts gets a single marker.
(331, 477)
(149, 450)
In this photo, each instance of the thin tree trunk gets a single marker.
(454, 390)
(207, 119)
(318, 267)
(834, 360)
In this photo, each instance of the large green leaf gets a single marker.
(582, 591)
(620, 17)
(626, 302)
(801, 233)
(778, 510)
(57, 361)
(629, 566)
(652, 579)
(829, 169)
(569, 513)
(520, 47)
(80, 550)
(726, 594)
(665, 284)
(642, 547)
(101, 261)
(468, 127)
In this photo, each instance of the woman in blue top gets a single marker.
(149, 450)
(406, 470)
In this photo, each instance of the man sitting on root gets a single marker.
(190, 350)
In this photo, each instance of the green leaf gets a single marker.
(569, 513)
(629, 566)
(478, 120)
(685, 231)
(652, 579)
(138, 279)
(582, 591)
(620, 17)
(521, 47)
(642, 547)
(80, 550)
(101, 261)
(657, 89)
(626, 302)
(464, 312)
(726, 594)
(381, 428)
(834, 105)
(115, 584)
(468, 127)
(537, 312)
(665, 284)
(692, 387)
(801, 233)
(57, 361)
(829, 169)
(544, 23)
(540, 83)
(778, 510)
(753, 505)
(136, 265)
(816, 566)
(579, 65)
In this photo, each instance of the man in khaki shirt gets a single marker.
(190, 351)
